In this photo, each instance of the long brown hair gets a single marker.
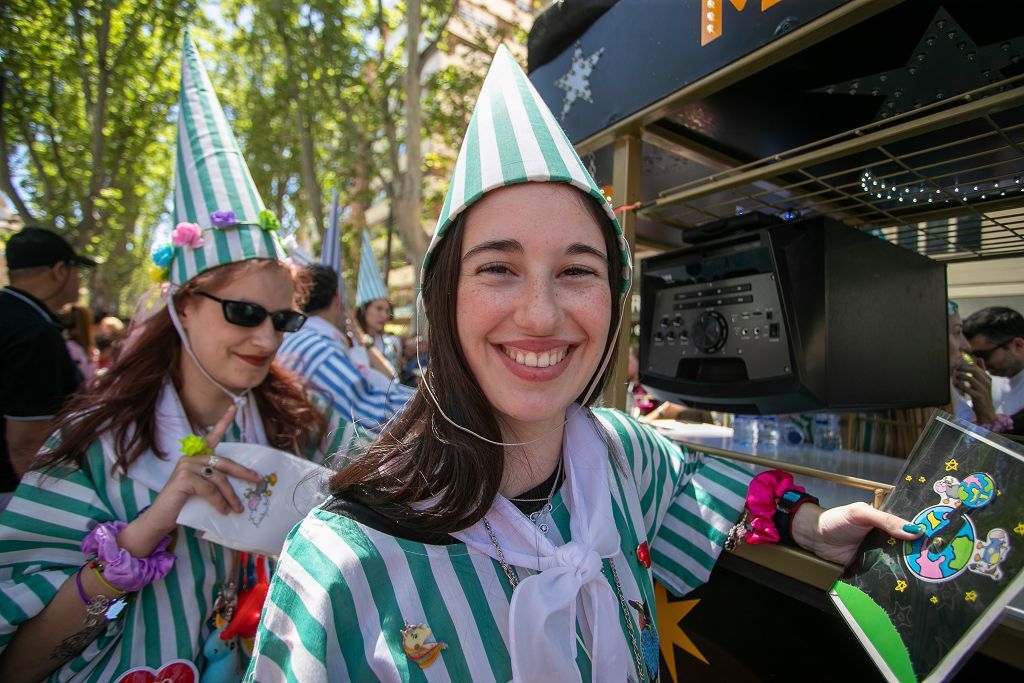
(420, 456)
(80, 328)
(123, 400)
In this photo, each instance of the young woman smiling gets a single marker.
(500, 528)
(98, 582)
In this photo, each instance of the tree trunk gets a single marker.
(409, 200)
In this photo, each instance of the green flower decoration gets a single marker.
(194, 445)
(268, 221)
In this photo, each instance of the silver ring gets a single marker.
(210, 467)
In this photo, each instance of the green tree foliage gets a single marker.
(86, 130)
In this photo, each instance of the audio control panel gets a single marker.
(738, 318)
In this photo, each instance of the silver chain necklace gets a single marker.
(514, 581)
(542, 518)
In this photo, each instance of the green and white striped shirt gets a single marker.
(40, 548)
(343, 591)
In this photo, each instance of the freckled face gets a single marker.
(534, 305)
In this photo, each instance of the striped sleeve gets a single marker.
(41, 532)
(310, 629)
(689, 500)
(327, 371)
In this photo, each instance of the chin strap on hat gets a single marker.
(240, 400)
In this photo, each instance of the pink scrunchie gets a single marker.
(121, 569)
(762, 495)
(1003, 423)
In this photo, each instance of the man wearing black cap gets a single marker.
(36, 372)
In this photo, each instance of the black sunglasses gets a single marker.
(249, 314)
(983, 354)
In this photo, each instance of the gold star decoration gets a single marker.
(921, 480)
(951, 465)
(901, 586)
(970, 596)
(891, 541)
(669, 632)
(908, 478)
(934, 600)
(1019, 529)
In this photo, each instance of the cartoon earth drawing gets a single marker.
(952, 559)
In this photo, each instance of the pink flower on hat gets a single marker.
(188, 234)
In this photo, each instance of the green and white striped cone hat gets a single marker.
(371, 285)
(514, 138)
(218, 213)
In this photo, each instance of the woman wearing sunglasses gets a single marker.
(98, 582)
(499, 528)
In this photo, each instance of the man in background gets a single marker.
(36, 372)
(319, 354)
(996, 335)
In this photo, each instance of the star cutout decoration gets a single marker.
(921, 480)
(934, 600)
(970, 596)
(901, 586)
(669, 632)
(576, 83)
(1019, 529)
(900, 616)
(909, 478)
(945, 62)
(891, 541)
(951, 465)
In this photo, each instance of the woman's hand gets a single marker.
(976, 383)
(143, 534)
(836, 533)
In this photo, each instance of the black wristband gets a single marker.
(785, 509)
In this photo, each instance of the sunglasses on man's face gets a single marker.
(984, 354)
(248, 314)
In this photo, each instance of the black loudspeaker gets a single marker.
(795, 317)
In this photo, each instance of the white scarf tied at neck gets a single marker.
(542, 614)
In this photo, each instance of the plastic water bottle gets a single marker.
(827, 433)
(744, 429)
(791, 432)
(768, 430)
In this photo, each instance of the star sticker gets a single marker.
(901, 586)
(669, 616)
(909, 478)
(951, 465)
(934, 600)
(970, 596)
(921, 480)
(1019, 529)
(576, 83)
(891, 541)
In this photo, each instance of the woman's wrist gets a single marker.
(804, 528)
(143, 534)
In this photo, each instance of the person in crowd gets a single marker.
(36, 373)
(318, 354)
(971, 384)
(98, 582)
(373, 309)
(461, 543)
(414, 359)
(80, 340)
(996, 336)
